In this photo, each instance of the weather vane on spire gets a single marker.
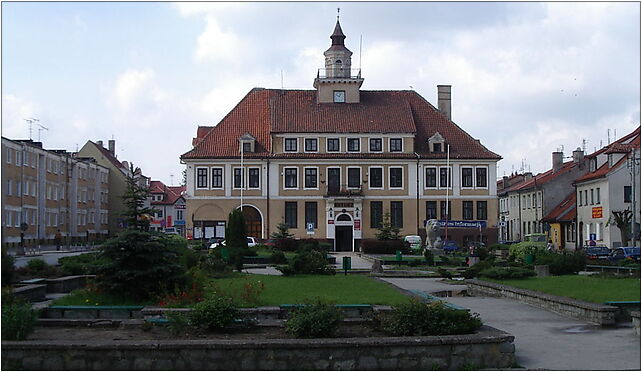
(338, 11)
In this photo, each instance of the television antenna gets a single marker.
(40, 128)
(171, 179)
(31, 121)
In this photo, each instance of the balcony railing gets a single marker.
(343, 191)
(324, 73)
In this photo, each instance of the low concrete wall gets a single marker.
(31, 293)
(67, 284)
(635, 315)
(489, 348)
(596, 313)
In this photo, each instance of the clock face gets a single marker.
(339, 96)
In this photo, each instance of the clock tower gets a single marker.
(338, 82)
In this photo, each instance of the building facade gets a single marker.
(169, 207)
(46, 192)
(118, 173)
(526, 204)
(333, 162)
(612, 184)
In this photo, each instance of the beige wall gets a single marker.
(325, 92)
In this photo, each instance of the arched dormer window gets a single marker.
(436, 143)
(247, 143)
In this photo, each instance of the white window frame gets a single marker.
(332, 138)
(222, 178)
(340, 175)
(9, 182)
(296, 140)
(373, 138)
(247, 176)
(310, 188)
(348, 178)
(383, 178)
(9, 155)
(297, 178)
(243, 178)
(436, 168)
(403, 175)
(473, 178)
(310, 138)
(18, 157)
(390, 144)
(477, 187)
(207, 181)
(450, 171)
(348, 146)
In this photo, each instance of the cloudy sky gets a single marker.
(527, 78)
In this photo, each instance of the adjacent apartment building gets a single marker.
(525, 205)
(612, 184)
(118, 173)
(169, 207)
(51, 191)
(333, 161)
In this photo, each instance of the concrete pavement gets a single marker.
(545, 340)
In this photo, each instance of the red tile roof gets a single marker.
(265, 111)
(623, 145)
(566, 210)
(201, 132)
(171, 193)
(542, 178)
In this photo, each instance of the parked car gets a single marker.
(171, 231)
(596, 253)
(414, 241)
(450, 246)
(631, 253)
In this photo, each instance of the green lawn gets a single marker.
(340, 289)
(598, 290)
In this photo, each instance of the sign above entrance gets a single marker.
(596, 212)
(464, 224)
(357, 224)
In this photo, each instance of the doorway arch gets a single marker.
(253, 221)
(343, 228)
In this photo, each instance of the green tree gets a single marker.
(236, 237)
(282, 232)
(137, 215)
(387, 231)
(622, 219)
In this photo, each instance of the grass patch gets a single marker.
(337, 289)
(586, 288)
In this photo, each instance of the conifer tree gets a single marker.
(236, 237)
(136, 215)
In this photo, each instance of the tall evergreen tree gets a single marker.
(136, 215)
(236, 237)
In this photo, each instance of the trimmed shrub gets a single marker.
(214, 313)
(214, 266)
(374, 246)
(562, 263)
(314, 321)
(501, 273)
(444, 273)
(8, 268)
(287, 245)
(418, 319)
(18, 318)
(278, 257)
(308, 262)
(36, 264)
(82, 264)
(430, 257)
(473, 271)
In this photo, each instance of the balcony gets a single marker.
(343, 191)
(341, 73)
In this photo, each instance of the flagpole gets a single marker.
(448, 183)
(242, 178)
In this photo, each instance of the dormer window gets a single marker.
(247, 143)
(436, 143)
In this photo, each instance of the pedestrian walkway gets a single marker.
(357, 262)
(44, 249)
(543, 339)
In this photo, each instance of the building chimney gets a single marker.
(558, 160)
(443, 99)
(505, 183)
(99, 143)
(112, 147)
(528, 176)
(578, 155)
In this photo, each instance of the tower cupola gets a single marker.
(337, 82)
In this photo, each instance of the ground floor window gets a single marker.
(467, 210)
(376, 214)
(396, 214)
(290, 214)
(311, 213)
(431, 209)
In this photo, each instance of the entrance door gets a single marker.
(334, 179)
(252, 222)
(343, 238)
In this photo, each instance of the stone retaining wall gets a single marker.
(31, 293)
(596, 313)
(635, 315)
(67, 284)
(489, 348)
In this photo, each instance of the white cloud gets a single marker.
(132, 87)
(194, 8)
(14, 110)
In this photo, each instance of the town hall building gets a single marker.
(333, 161)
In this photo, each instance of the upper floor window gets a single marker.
(445, 179)
(353, 144)
(436, 143)
(311, 144)
(9, 153)
(238, 178)
(253, 178)
(201, 178)
(482, 176)
(354, 177)
(627, 194)
(376, 145)
(436, 147)
(396, 144)
(396, 177)
(376, 177)
(431, 177)
(311, 178)
(291, 178)
(291, 144)
(217, 178)
(332, 144)
(597, 195)
(467, 178)
(247, 147)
